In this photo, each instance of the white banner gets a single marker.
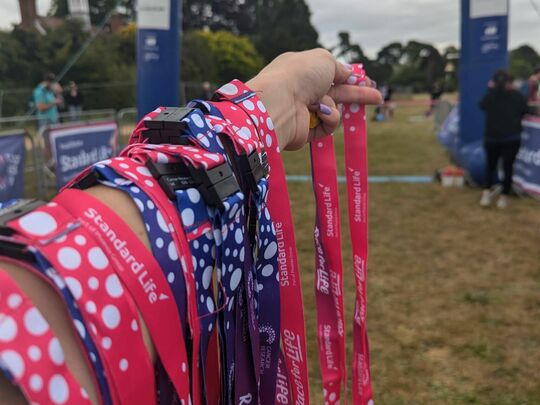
(154, 14)
(488, 8)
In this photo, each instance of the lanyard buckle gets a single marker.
(214, 184)
(14, 211)
(254, 167)
(167, 126)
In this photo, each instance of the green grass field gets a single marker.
(454, 290)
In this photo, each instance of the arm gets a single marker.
(290, 87)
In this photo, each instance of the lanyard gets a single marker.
(137, 175)
(79, 262)
(250, 159)
(140, 273)
(30, 355)
(292, 327)
(328, 269)
(354, 123)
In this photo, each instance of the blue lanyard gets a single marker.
(265, 350)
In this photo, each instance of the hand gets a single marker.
(294, 84)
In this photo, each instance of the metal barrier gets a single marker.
(126, 119)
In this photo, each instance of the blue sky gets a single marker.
(376, 23)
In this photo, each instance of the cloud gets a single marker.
(374, 24)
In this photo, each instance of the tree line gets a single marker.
(222, 39)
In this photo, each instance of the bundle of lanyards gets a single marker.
(220, 290)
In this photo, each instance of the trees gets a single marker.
(274, 26)
(523, 60)
(98, 8)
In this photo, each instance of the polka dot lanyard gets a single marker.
(230, 257)
(163, 250)
(140, 177)
(140, 273)
(201, 241)
(245, 141)
(31, 357)
(111, 315)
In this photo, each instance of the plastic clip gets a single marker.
(167, 127)
(14, 211)
(214, 184)
(254, 167)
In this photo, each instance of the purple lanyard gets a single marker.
(265, 276)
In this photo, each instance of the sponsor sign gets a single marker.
(12, 159)
(527, 165)
(76, 147)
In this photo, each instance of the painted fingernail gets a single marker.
(348, 66)
(374, 84)
(362, 84)
(325, 109)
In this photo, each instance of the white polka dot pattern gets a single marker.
(33, 362)
(89, 277)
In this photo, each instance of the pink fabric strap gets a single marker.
(31, 353)
(108, 311)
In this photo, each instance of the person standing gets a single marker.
(46, 101)
(504, 108)
(74, 100)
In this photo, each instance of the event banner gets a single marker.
(12, 159)
(75, 147)
(527, 166)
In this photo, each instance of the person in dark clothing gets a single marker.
(435, 94)
(504, 108)
(74, 100)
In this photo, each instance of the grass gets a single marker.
(454, 290)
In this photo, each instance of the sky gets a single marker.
(375, 23)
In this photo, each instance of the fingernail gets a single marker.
(374, 84)
(362, 84)
(325, 109)
(348, 66)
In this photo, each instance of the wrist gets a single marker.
(278, 99)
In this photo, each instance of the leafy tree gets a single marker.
(233, 56)
(275, 26)
(523, 60)
(237, 16)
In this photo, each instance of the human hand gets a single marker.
(296, 83)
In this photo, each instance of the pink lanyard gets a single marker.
(292, 308)
(140, 176)
(30, 352)
(108, 311)
(328, 269)
(140, 273)
(356, 166)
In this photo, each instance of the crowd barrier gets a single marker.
(36, 161)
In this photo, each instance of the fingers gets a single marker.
(348, 94)
(329, 117)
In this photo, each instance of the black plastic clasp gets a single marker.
(254, 167)
(214, 184)
(167, 126)
(89, 180)
(14, 211)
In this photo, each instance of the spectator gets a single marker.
(47, 101)
(435, 94)
(74, 100)
(533, 85)
(504, 108)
